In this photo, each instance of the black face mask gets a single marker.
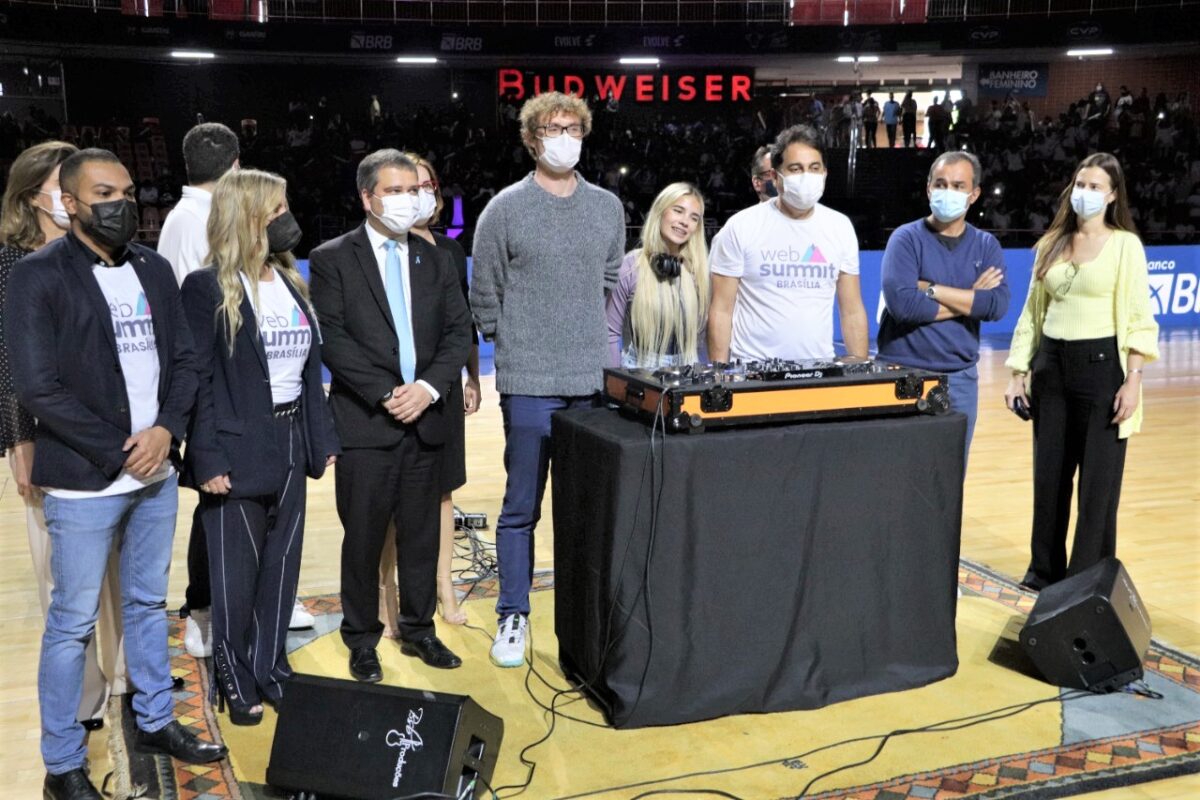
(769, 189)
(112, 223)
(283, 233)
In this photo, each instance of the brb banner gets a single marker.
(650, 87)
(1174, 290)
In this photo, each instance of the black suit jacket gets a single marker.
(231, 431)
(361, 348)
(66, 368)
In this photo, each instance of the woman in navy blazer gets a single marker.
(262, 424)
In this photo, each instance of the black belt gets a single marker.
(287, 409)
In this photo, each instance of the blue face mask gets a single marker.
(769, 189)
(948, 205)
(1087, 203)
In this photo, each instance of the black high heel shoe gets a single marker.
(239, 714)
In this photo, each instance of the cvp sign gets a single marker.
(706, 87)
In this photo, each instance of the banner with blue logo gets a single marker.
(1174, 291)
(1020, 80)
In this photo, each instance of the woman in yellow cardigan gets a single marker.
(1085, 333)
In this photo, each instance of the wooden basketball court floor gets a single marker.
(1159, 535)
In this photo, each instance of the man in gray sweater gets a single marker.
(546, 251)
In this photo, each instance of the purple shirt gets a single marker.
(618, 305)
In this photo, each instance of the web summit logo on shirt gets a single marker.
(792, 269)
(284, 337)
(133, 326)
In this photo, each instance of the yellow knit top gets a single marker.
(1125, 313)
(1080, 301)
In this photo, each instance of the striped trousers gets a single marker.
(254, 546)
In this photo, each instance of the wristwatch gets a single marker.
(929, 291)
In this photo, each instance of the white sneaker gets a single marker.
(197, 633)
(508, 650)
(301, 619)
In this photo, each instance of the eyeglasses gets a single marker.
(553, 131)
(1066, 285)
(429, 186)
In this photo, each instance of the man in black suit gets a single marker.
(397, 334)
(104, 361)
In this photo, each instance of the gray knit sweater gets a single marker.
(541, 266)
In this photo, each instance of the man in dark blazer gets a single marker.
(397, 334)
(104, 361)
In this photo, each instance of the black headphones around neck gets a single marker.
(667, 267)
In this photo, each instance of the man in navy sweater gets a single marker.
(941, 278)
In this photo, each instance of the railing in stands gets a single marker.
(610, 12)
(466, 12)
(946, 10)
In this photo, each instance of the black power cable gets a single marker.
(957, 723)
(651, 461)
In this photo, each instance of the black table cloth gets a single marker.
(758, 569)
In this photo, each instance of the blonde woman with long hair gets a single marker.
(261, 426)
(657, 311)
(1085, 333)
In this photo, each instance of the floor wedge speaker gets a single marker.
(1089, 631)
(344, 739)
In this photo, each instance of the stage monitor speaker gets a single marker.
(1089, 631)
(344, 739)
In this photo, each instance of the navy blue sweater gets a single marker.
(907, 332)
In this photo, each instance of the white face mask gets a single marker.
(561, 153)
(58, 212)
(1087, 203)
(426, 206)
(399, 212)
(804, 190)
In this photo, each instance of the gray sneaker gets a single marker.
(508, 650)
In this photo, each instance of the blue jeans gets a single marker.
(527, 462)
(964, 398)
(82, 533)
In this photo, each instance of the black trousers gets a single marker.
(891, 134)
(1074, 384)
(909, 125)
(374, 487)
(254, 546)
(199, 588)
(869, 129)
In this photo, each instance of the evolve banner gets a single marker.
(630, 87)
(1022, 80)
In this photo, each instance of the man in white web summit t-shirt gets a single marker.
(778, 266)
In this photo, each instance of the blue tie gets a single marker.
(395, 295)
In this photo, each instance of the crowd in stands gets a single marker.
(1027, 160)
(634, 153)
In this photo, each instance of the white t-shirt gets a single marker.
(286, 336)
(788, 270)
(184, 237)
(137, 349)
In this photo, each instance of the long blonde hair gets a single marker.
(662, 311)
(1058, 236)
(242, 202)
